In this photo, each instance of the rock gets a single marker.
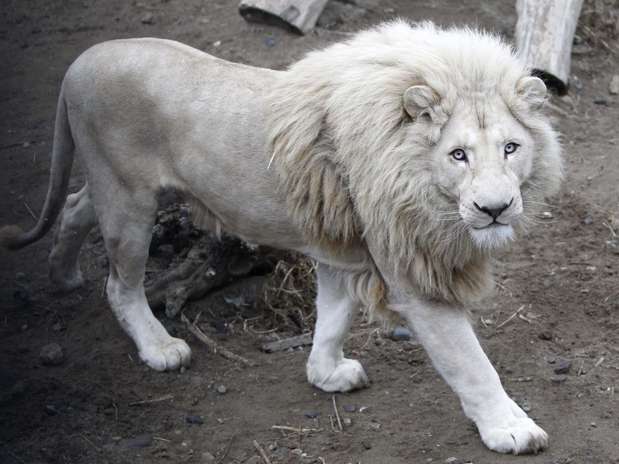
(349, 408)
(347, 421)
(400, 334)
(613, 87)
(563, 366)
(600, 101)
(311, 414)
(208, 458)
(546, 215)
(51, 410)
(147, 18)
(52, 354)
(194, 419)
(366, 444)
(452, 460)
(221, 389)
(140, 441)
(588, 220)
(558, 378)
(545, 335)
(613, 245)
(254, 460)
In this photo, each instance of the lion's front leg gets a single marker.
(448, 337)
(327, 368)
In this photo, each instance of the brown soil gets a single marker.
(82, 411)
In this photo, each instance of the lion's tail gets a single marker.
(12, 237)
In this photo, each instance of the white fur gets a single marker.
(359, 136)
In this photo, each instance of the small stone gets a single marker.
(600, 101)
(254, 460)
(452, 460)
(217, 43)
(140, 441)
(347, 421)
(545, 335)
(366, 444)
(558, 378)
(547, 215)
(613, 87)
(311, 414)
(51, 355)
(400, 334)
(588, 220)
(208, 457)
(349, 408)
(51, 410)
(148, 18)
(194, 419)
(613, 245)
(563, 366)
(221, 389)
(593, 424)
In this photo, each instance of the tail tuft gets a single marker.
(11, 237)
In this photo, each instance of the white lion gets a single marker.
(399, 160)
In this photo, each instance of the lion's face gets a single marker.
(480, 160)
(483, 157)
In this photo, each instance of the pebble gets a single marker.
(563, 366)
(52, 354)
(613, 87)
(547, 215)
(221, 389)
(613, 245)
(400, 334)
(311, 414)
(366, 444)
(347, 421)
(349, 407)
(452, 460)
(588, 220)
(558, 378)
(194, 419)
(147, 19)
(208, 457)
(545, 335)
(254, 460)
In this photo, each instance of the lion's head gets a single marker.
(430, 144)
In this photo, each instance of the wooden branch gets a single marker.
(213, 345)
(292, 342)
(544, 36)
(298, 15)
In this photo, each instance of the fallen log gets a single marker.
(544, 36)
(297, 15)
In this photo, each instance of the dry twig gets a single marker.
(337, 414)
(212, 344)
(263, 454)
(510, 317)
(154, 400)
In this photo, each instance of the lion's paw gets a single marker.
(518, 435)
(167, 355)
(347, 375)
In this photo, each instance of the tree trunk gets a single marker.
(298, 15)
(544, 35)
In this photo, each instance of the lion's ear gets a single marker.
(418, 101)
(532, 90)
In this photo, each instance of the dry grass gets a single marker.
(289, 294)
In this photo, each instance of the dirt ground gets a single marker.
(102, 406)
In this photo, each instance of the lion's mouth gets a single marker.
(492, 225)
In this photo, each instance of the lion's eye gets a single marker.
(510, 148)
(458, 154)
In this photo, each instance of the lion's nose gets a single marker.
(494, 211)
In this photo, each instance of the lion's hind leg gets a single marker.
(77, 219)
(126, 220)
(327, 368)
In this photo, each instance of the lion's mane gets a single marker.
(353, 168)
